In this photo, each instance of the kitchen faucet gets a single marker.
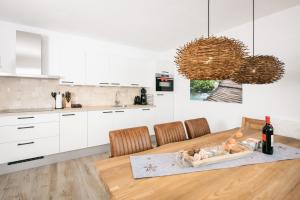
(117, 98)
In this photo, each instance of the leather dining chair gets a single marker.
(252, 124)
(129, 141)
(169, 132)
(197, 127)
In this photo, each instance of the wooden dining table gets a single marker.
(276, 180)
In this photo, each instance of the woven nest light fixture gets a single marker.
(211, 58)
(260, 69)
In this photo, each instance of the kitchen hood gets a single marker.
(29, 57)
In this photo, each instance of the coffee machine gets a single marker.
(144, 96)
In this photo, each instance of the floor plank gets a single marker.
(72, 179)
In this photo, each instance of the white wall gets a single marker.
(278, 35)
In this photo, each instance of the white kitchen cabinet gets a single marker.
(164, 102)
(28, 119)
(73, 131)
(28, 136)
(147, 118)
(97, 67)
(20, 150)
(126, 118)
(119, 71)
(28, 131)
(72, 62)
(99, 125)
(7, 47)
(138, 75)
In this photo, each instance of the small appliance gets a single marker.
(164, 82)
(58, 99)
(137, 100)
(143, 96)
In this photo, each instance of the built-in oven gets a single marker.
(164, 82)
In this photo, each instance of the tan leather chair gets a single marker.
(130, 140)
(169, 132)
(197, 127)
(252, 124)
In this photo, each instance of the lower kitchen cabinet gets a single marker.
(73, 131)
(126, 118)
(25, 149)
(146, 117)
(164, 102)
(99, 125)
(28, 136)
(101, 122)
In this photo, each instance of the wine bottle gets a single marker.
(267, 137)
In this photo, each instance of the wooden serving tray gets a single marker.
(222, 158)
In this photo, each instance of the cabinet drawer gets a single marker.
(25, 149)
(28, 119)
(28, 131)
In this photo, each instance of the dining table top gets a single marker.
(276, 180)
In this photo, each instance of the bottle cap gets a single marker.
(268, 119)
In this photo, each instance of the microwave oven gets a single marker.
(164, 82)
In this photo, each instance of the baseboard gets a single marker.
(55, 158)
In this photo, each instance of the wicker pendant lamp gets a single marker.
(259, 69)
(211, 58)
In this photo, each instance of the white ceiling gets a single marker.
(151, 24)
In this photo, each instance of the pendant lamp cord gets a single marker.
(253, 15)
(208, 15)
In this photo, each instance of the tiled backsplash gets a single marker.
(17, 93)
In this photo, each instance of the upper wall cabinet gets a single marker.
(7, 48)
(81, 63)
(66, 58)
(130, 71)
(97, 67)
(72, 62)
(119, 70)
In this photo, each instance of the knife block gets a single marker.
(67, 104)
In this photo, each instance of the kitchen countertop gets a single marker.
(26, 111)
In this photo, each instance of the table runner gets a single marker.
(154, 165)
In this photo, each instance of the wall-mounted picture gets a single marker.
(218, 91)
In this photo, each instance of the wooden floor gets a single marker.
(227, 91)
(73, 179)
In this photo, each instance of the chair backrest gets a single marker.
(169, 132)
(197, 127)
(130, 140)
(253, 124)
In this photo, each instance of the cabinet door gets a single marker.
(147, 118)
(128, 118)
(72, 63)
(164, 102)
(73, 131)
(97, 69)
(140, 70)
(119, 70)
(99, 125)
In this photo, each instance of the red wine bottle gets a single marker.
(267, 137)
